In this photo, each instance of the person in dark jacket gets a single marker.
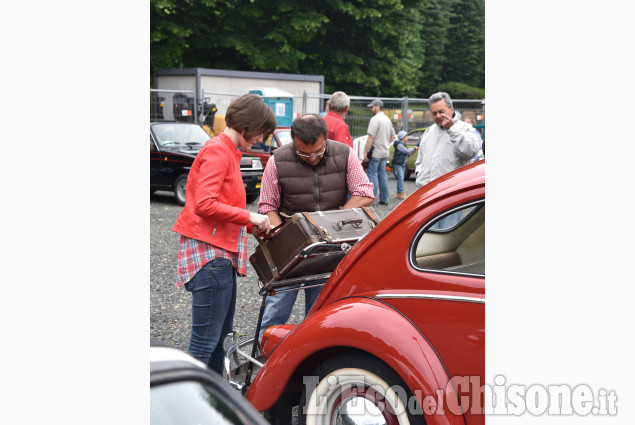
(399, 161)
(310, 174)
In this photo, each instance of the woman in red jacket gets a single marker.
(214, 224)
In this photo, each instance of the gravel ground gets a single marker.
(170, 307)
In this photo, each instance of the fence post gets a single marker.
(304, 99)
(404, 113)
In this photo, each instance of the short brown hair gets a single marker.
(249, 113)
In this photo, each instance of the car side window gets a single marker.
(453, 242)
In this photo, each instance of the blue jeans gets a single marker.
(399, 169)
(278, 307)
(213, 291)
(377, 171)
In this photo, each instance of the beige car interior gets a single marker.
(460, 250)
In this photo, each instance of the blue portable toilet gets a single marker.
(280, 101)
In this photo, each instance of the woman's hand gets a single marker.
(260, 221)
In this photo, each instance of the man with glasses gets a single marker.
(445, 146)
(310, 174)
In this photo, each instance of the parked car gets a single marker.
(184, 391)
(404, 309)
(173, 147)
(412, 139)
(263, 150)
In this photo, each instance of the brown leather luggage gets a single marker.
(309, 245)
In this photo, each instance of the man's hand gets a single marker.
(274, 218)
(446, 121)
(357, 201)
(369, 144)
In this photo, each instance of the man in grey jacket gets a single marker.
(446, 145)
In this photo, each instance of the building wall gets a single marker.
(222, 86)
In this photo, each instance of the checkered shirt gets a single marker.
(194, 254)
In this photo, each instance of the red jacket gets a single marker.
(338, 129)
(215, 197)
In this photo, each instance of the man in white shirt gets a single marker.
(446, 145)
(380, 135)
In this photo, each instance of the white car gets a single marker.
(358, 146)
(184, 391)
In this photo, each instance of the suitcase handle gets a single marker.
(355, 222)
(265, 252)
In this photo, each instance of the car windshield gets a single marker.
(179, 134)
(285, 137)
(185, 403)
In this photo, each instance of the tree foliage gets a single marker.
(371, 47)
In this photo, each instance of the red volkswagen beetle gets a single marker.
(397, 334)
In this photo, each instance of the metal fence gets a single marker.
(405, 113)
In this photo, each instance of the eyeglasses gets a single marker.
(313, 155)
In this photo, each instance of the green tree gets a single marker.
(170, 28)
(370, 46)
(434, 39)
(466, 48)
(373, 47)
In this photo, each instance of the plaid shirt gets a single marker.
(194, 254)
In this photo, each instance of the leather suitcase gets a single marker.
(309, 245)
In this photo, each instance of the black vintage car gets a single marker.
(173, 147)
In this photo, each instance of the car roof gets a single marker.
(168, 354)
(463, 178)
(471, 175)
(174, 122)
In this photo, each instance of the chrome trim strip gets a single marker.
(434, 297)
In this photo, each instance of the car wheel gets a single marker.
(357, 388)
(252, 198)
(179, 189)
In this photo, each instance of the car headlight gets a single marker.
(256, 163)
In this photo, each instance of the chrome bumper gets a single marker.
(237, 360)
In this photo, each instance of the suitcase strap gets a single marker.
(371, 214)
(265, 252)
(323, 235)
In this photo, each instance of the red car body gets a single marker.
(280, 136)
(425, 323)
